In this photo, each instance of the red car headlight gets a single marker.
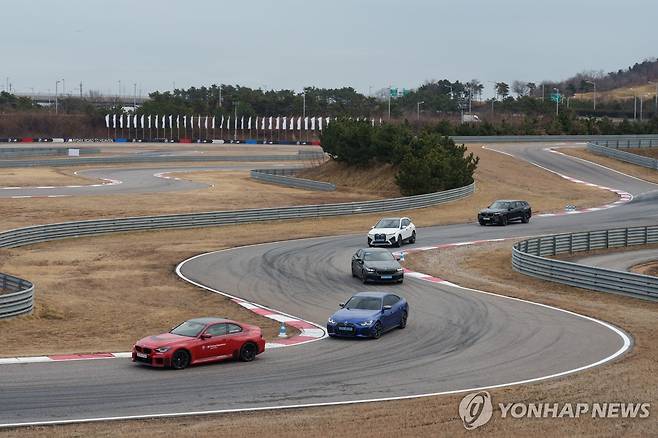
(162, 349)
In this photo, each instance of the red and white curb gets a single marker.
(62, 358)
(308, 331)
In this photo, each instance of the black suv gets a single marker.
(501, 212)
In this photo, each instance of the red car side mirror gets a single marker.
(205, 336)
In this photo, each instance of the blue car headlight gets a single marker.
(331, 321)
(366, 323)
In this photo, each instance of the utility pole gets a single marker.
(135, 96)
(80, 89)
(304, 104)
(63, 87)
(557, 102)
(56, 91)
(389, 102)
(418, 108)
(594, 84)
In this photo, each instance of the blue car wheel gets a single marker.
(376, 331)
(403, 320)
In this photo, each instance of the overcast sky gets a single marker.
(332, 43)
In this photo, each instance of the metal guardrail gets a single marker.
(553, 138)
(628, 157)
(301, 155)
(43, 233)
(529, 258)
(286, 177)
(16, 296)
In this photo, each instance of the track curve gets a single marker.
(457, 339)
(128, 181)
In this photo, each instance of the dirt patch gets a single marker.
(378, 180)
(649, 268)
(627, 168)
(498, 176)
(633, 378)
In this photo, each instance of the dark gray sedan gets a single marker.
(376, 264)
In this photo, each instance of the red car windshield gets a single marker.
(188, 328)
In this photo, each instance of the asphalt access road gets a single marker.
(456, 339)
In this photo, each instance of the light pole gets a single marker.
(304, 105)
(56, 91)
(634, 105)
(135, 96)
(557, 102)
(594, 84)
(63, 87)
(655, 114)
(418, 108)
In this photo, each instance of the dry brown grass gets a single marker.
(378, 180)
(498, 176)
(40, 176)
(623, 93)
(647, 152)
(630, 169)
(633, 378)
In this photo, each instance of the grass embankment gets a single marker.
(379, 180)
(644, 173)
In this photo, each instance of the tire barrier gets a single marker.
(286, 177)
(301, 155)
(628, 157)
(16, 296)
(529, 258)
(44, 233)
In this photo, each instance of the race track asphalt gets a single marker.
(131, 181)
(456, 339)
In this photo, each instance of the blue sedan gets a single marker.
(368, 315)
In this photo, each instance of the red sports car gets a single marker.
(200, 340)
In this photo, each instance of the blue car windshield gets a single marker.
(188, 328)
(364, 303)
